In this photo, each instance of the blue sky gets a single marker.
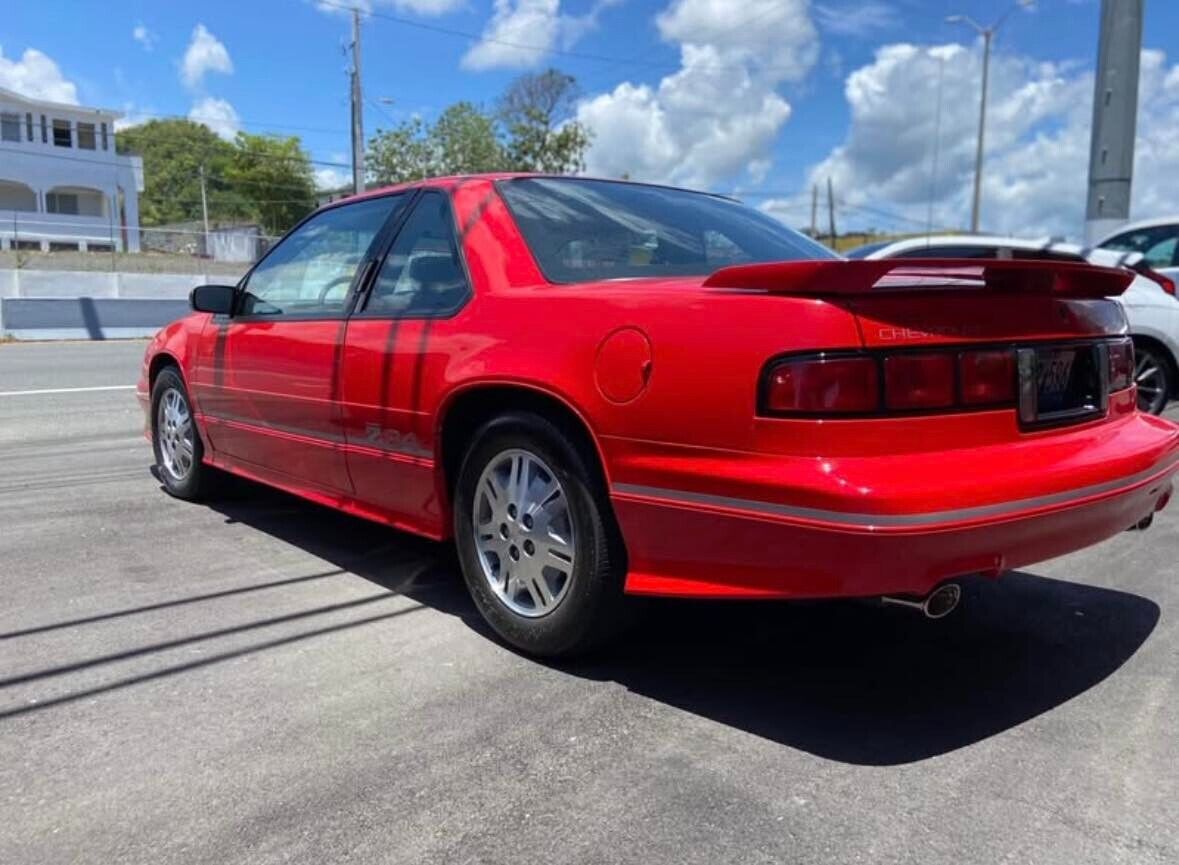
(279, 67)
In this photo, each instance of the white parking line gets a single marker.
(66, 390)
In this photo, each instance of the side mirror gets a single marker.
(217, 299)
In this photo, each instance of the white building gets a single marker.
(62, 185)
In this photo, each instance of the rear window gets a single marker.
(1006, 252)
(583, 230)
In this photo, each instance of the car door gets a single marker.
(395, 353)
(268, 376)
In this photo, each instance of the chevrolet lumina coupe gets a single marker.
(599, 388)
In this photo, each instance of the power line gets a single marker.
(141, 116)
(478, 37)
(548, 49)
(270, 156)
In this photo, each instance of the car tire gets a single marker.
(176, 442)
(1153, 377)
(536, 538)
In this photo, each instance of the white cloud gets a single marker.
(718, 116)
(205, 53)
(1037, 146)
(332, 178)
(857, 19)
(418, 7)
(37, 76)
(144, 37)
(513, 24)
(218, 115)
(522, 33)
(133, 115)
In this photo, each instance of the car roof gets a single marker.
(980, 240)
(452, 180)
(1139, 225)
(1093, 255)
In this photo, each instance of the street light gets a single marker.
(987, 34)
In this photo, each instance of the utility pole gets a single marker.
(1115, 116)
(831, 211)
(205, 209)
(988, 34)
(975, 201)
(814, 210)
(357, 109)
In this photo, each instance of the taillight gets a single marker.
(1165, 282)
(901, 382)
(987, 377)
(824, 385)
(1121, 365)
(915, 381)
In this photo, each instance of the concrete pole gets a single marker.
(1115, 116)
(357, 109)
(976, 203)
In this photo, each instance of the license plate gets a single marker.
(1060, 384)
(1055, 370)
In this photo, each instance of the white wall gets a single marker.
(68, 283)
(100, 175)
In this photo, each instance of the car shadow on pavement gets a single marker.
(850, 681)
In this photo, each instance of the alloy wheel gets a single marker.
(524, 533)
(1151, 377)
(175, 433)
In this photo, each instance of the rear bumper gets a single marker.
(684, 541)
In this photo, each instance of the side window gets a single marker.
(311, 269)
(1157, 245)
(422, 274)
(1162, 254)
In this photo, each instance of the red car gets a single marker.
(598, 388)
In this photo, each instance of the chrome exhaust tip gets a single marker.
(936, 605)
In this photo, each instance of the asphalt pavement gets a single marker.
(262, 680)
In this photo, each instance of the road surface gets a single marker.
(262, 680)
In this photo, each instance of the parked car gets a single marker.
(1150, 304)
(597, 388)
(1156, 239)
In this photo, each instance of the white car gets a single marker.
(1156, 239)
(1152, 309)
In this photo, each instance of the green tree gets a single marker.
(400, 154)
(537, 113)
(173, 152)
(261, 178)
(274, 176)
(531, 130)
(466, 141)
(463, 140)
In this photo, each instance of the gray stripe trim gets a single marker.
(409, 449)
(894, 520)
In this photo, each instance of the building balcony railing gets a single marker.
(21, 229)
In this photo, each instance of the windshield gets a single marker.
(584, 230)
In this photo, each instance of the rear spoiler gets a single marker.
(840, 277)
